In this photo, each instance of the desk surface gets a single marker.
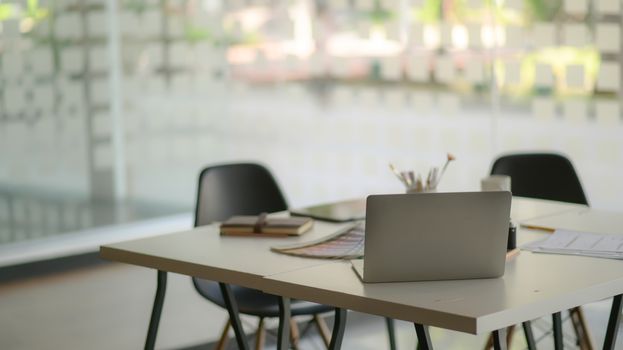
(534, 284)
(202, 252)
(528, 208)
(590, 220)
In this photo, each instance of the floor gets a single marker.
(107, 306)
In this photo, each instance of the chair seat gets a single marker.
(255, 302)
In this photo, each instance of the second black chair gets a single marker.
(249, 189)
(541, 175)
(546, 176)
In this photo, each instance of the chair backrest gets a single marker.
(236, 189)
(541, 175)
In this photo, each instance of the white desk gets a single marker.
(532, 286)
(202, 252)
(528, 208)
(591, 220)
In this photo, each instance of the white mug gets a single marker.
(496, 183)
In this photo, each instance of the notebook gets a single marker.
(251, 225)
(435, 236)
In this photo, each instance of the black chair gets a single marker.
(249, 189)
(553, 177)
(541, 175)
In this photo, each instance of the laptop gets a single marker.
(435, 236)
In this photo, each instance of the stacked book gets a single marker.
(262, 225)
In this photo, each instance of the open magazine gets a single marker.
(345, 244)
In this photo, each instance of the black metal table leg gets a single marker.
(613, 323)
(391, 332)
(156, 311)
(527, 330)
(423, 338)
(234, 317)
(283, 335)
(339, 324)
(499, 339)
(557, 326)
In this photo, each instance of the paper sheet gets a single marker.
(575, 76)
(346, 243)
(444, 71)
(391, 68)
(576, 110)
(417, 69)
(544, 34)
(608, 6)
(475, 72)
(576, 6)
(544, 107)
(608, 37)
(580, 243)
(544, 77)
(576, 34)
(608, 78)
(607, 112)
(513, 73)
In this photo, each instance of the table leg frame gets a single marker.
(499, 339)
(613, 323)
(391, 332)
(557, 327)
(339, 324)
(283, 334)
(156, 310)
(234, 316)
(424, 342)
(423, 337)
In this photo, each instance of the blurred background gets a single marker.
(109, 109)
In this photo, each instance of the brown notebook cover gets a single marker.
(263, 225)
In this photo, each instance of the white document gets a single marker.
(608, 78)
(576, 34)
(608, 6)
(580, 243)
(608, 37)
(576, 6)
(607, 111)
(544, 34)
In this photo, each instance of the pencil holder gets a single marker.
(415, 182)
(420, 190)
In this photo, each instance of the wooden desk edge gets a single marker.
(184, 268)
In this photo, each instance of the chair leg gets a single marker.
(323, 329)
(510, 331)
(260, 335)
(580, 326)
(557, 327)
(222, 342)
(294, 334)
(489, 343)
(499, 339)
(527, 330)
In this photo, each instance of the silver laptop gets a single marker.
(435, 236)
